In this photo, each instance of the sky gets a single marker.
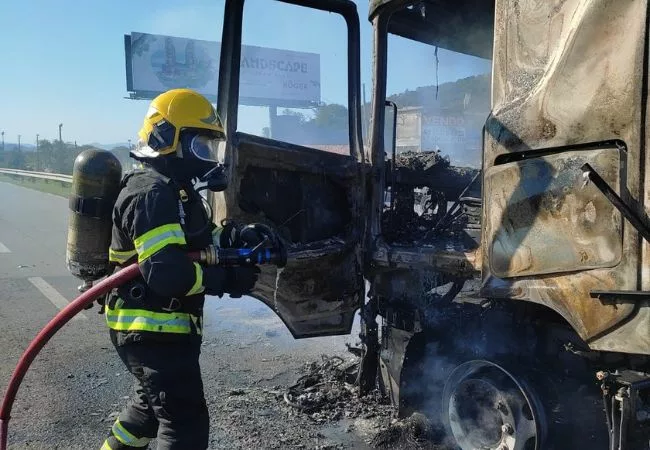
(64, 62)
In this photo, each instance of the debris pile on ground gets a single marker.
(326, 393)
(413, 432)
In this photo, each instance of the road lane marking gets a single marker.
(53, 295)
(4, 249)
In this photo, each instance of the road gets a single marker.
(70, 397)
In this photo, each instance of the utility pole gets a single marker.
(38, 162)
(60, 139)
(18, 142)
(366, 116)
(3, 141)
(273, 119)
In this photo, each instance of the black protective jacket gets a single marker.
(156, 221)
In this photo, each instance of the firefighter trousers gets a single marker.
(168, 403)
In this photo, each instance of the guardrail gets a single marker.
(64, 179)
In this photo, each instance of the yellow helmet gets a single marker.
(171, 112)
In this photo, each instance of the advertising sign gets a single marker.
(408, 128)
(442, 131)
(156, 63)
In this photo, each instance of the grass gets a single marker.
(51, 187)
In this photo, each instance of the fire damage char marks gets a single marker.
(308, 303)
(304, 207)
(425, 183)
(545, 222)
(543, 204)
(313, 200)
(308, 284)
(589, 315)
(421, 161)
(562, 79)
(433, 170)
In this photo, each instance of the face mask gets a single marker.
(200, 160)
(204, 148)
(216, 179)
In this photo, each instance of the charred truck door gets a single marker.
(294, 153)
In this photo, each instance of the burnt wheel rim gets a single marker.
(486, 407)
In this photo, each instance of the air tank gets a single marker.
(96, 178)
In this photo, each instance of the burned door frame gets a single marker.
(338, 173)
(228, 94)
(394, 271)
(391, 17)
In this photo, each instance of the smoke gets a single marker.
(428, 387)
(463, 333)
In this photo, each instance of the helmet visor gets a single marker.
(162, 136)
(205, 148)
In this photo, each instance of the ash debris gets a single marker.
(426, 168)
(415, 432)
(421, 161)
(327, 393)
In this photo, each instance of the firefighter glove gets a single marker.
(214, 280)
(241, 280)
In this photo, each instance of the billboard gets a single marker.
(268, 76)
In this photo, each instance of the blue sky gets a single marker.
(64, 61)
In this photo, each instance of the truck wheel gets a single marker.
(477, 401)
(485, 406)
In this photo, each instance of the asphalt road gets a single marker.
(69, 398)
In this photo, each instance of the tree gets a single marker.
(53, 156)
(331, 116)
(17, 160)
(328, 125)
(471, 93)
(301, 117)
(46, 155)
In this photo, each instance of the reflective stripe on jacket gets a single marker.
(127, 319)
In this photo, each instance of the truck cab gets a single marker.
(491, 236)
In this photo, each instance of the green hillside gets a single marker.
(451, 96)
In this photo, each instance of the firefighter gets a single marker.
(155, 321)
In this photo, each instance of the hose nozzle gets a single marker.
(214, 256)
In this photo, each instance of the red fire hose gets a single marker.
(67, 313)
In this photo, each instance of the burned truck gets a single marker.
(507, 301)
